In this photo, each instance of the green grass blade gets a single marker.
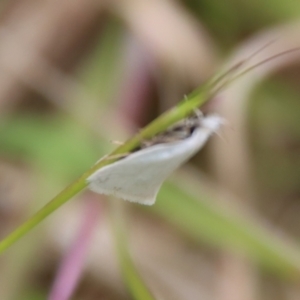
(131, 276)
(200, 217)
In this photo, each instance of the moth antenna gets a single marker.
(221, 136)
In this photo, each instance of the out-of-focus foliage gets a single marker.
(57, 144)
(123, 62)
(229, 24)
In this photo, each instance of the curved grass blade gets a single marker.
(131, 276)
(202, 218)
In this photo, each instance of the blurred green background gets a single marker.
(76, 76)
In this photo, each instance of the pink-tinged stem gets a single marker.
(72, 265)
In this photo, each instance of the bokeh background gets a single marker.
(77, 77)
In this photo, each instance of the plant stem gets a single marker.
(184, 108)
(135, 283)
(55, 203)
(170, 117)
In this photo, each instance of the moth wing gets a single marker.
(139, 176)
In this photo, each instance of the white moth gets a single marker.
(139, 176)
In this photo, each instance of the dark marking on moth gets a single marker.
(180, 131)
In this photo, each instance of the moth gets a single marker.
(139, 176)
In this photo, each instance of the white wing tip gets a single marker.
(213, 122)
